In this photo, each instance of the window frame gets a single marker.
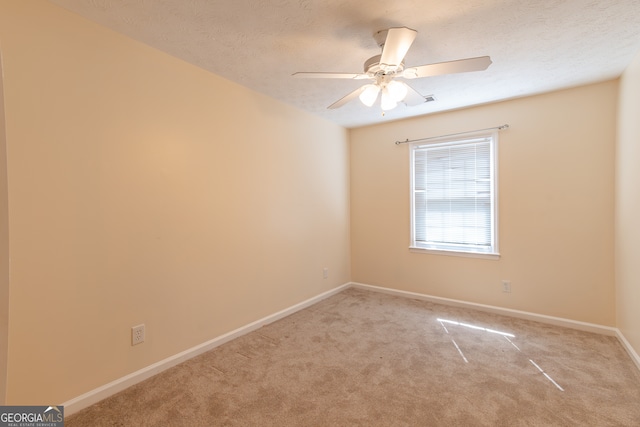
(493, 143)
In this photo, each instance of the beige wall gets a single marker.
(556, 181)
(628, 206)
(4, 251)
(145, 190)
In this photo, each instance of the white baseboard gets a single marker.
(558, 321)
(627, 346)
(87, 399)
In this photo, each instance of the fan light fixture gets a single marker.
(392, 93)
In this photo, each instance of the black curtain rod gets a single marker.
(452, 134)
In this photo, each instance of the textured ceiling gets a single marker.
(536, 45)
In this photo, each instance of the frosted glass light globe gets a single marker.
(397, 90)
(386, 101)
(369, 94)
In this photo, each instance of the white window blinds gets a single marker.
(453, 195)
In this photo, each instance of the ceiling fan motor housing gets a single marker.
(373, 68)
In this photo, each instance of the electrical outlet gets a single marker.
(325, 273)
(137, 334)
(506, 286)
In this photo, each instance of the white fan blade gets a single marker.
(397, 44)
(460, 66)
(330, 75)
(339, 103)
(413, 97)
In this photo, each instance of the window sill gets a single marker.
(417, 250)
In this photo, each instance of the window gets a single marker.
(453, 196)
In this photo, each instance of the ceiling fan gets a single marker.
(384, 68)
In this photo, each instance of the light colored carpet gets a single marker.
(363, 358)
